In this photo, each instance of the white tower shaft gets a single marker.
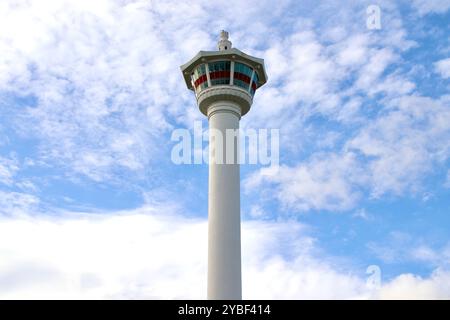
(224, 229)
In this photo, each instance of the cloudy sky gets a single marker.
(91, 205)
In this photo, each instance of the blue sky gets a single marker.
(91, 205)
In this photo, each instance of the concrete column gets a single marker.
(224, 228)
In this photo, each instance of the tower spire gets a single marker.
(224, 43)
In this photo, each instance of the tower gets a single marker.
(224, 83)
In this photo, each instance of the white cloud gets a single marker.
(433, 256)
(8, 168)
(16, 204)
(370, 73)
(132, 255)
(402, 145)
(431, 6)
(257, 212)
(148, 253)
(311, 74)
(303, 79)
(443, 68)
(396, 247)
(324, 182)
(105, 77)
(403, 247)
(152, 252)
(425, 253)
(390, 155)
(354, 51)
(409, 286)
(362, 214)
(447, 181)
(97, 69)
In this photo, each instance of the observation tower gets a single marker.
(224, 83)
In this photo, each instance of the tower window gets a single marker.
(219, 72)
(254, 83)
(242, 75)
(199, 78)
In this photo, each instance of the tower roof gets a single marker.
(225, 52)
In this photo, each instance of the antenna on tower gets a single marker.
(224, 43)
